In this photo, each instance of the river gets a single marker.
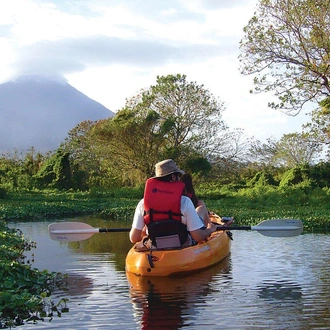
(265, 283)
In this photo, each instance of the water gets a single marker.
(266, 283)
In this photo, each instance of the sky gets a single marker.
(111, 49)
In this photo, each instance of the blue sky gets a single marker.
(110, 50)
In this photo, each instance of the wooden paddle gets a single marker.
(78, 231)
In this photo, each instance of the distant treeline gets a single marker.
(174, 119)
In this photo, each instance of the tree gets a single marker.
(297, 149)
(191, 114)
(264, 153)
(291, 150)
(287, 47)
(79, 145)
(84, 154)
(132, 142)
(17, 168)
(318, 129)
(172, 119)
(55, 172)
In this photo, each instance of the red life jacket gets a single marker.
(162, 200)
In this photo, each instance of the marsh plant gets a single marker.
(25, 292)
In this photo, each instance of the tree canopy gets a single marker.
(291, 150)
(286, 47)
(174, 118)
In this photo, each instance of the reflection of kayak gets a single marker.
(146, 262)
(191, 284)
(169, 302)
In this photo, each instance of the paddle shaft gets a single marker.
(120, 230)
(234, 228)
(124, 230)
(77, 231)
(114, 230)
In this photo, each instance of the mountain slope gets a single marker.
(39, 112)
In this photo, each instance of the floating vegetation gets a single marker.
(25, 292)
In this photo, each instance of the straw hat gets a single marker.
(166, 167)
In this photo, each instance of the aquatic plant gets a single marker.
(24, 291)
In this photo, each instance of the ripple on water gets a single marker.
(266, 283)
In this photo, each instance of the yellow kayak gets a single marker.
(145, 262)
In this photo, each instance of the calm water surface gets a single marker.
(266, 283)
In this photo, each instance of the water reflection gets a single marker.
(77, 284)
(282, 290)
(267, 283)
(117, 244)
(167, 302)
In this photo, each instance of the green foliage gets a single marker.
(17, 170)
(123, 192)
(55, 204)
(248, 205)
(287, 50)
(55, 172)
(174, 119)
(197, 165)
(22, 289)
(3, 193)
(320, 173)
(252, 205)
(262, 178)
(295, 176)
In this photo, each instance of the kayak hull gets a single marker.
(145, 262)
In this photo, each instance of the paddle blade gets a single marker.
(71, 231)
(279, 227)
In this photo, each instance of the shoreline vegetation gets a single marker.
(248, 206)
(32, 301)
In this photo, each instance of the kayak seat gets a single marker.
(167, 234)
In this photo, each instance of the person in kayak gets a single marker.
(164, 206)
(200, 206)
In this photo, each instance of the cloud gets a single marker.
(57, 39)
(76, 54)
(109, 50)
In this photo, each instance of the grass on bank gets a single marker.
(249, 205)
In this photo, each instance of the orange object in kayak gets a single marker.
(146, 262)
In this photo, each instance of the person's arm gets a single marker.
(203, 213)
(138, 229)
(135, 235)
(194, 222)
(202, 234)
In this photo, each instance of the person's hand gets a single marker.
(212, 227)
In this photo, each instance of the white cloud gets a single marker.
(110, 50)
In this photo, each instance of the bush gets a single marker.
(262, 178)
(3, 193)
(295, 176)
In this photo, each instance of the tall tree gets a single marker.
(264, 152)
(297, 149)
(318, 130)
(291, 150)
(79, 145)
(172, 119)
(133, 140)
(191, 114)
(84, 155)
(286, 47)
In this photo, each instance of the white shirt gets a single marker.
(189, 217)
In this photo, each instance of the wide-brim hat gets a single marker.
(166, 167)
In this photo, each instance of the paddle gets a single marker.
(78, 231)
(273, 228)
